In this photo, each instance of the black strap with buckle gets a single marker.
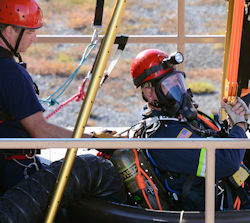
(98, 13)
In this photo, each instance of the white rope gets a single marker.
(26, 167)
(181, 216)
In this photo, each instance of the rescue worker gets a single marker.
(164, 89)
(21, 114)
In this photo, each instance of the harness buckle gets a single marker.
(238, 178)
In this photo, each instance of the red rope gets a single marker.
(77, 97)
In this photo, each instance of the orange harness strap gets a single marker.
(234, 53)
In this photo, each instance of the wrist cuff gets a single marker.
(246, 125)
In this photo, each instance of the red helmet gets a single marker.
(22, 13)
(146, 66)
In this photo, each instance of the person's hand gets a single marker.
(238, 112)
(107, 134)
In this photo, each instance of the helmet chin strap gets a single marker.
(156, 104)
(14, 51)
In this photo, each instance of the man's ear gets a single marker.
(8, 31)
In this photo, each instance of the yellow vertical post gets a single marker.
(97, 75)
(181, 29)
(224, 83)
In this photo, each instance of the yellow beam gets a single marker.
(224, 83)
(97, 75)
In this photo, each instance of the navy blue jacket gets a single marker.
(192, 161)
(17, 98)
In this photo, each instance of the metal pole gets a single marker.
(86, 108)
(227, 45)
(224, 81)
(181, 29)
(210, 182)
(134, 39)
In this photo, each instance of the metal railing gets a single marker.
(180, 38)
(136, 39)
(210, 144)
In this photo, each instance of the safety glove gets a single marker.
(106, 153)
(239, 112)
(107, 134)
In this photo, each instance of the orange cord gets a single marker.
(237, 201)
(141, 183)
(155, 191)
(208, 122)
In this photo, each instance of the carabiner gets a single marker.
(96, 30)
(25, 172)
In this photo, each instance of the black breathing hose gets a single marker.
(91, 176)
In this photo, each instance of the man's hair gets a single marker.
(3, 27)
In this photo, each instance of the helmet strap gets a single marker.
(14, 51)
(154, 103)
(17, 45)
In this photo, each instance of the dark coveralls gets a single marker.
(18, 100)
(181, 164)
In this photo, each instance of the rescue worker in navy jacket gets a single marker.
(21, 114)
(167, 97)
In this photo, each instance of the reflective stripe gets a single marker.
(201, 170)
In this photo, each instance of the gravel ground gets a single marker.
(114, 105)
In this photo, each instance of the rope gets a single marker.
(208, 122)
(237, 202)
(141, 182)
(52, 99)
(120, 40)
(77, 97)
(181, 217)
(26, 167)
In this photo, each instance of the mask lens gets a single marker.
(173, 85)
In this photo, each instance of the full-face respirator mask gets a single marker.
(174, 97)
(154, 68)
